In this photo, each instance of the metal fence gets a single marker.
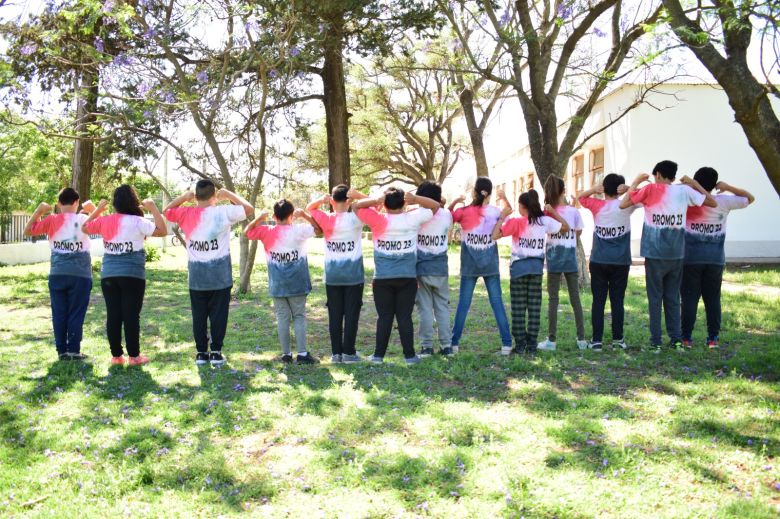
(12, 229)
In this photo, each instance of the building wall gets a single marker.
(694, 127)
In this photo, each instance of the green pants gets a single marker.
(526, 298)
(553, 287)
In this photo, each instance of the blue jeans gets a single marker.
(493, 285)
(69, 303)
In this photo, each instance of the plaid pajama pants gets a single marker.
(526, 295)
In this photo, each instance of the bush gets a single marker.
(96, 265)
(152, 254)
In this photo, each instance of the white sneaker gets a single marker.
(454, 348)
(582, 344)
(547, 345)
(506, 350)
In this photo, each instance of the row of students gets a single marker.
(410, 251)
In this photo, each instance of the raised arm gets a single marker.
(722, 186)
(598, 189)
(315, 204)
(626, 202)
(300, 213)
(422, 201)
(160, 229)
(458, 200)
(183, 198)
(554, 214)
(368, 202)
(224, 194)
(94, 214)
(506, 210)
(497, 234)
(257, 221)
(354, 194)
(41, 210)
(709, 200)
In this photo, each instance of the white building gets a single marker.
(691, 124)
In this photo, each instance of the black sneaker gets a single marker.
(77, 356)
(444, 351)
(287, 358)
(518, 351)
(596, 346)
(676, 345)
(63, 357)
(216, 358)
(427, 352)
(201, 358)
(655, 348)
(306, 359)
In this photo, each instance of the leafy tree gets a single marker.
(720, 33)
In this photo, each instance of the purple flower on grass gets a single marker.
(776, 486)
(28, 49)
(605, 462)
(295, 51)
(147, 114)
(273, 74)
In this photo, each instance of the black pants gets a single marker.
(124, 298)
(701, 281)
(344, 304)
(608, 280)
(394, 298)
(214, 306)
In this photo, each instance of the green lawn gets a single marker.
(569, 434)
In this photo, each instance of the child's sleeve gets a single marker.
(95, 226)
(591, 204)
(175, 214)
(551, 225)
(40, 227)
(509, 227)
(370, 216)
(694, 197)
(259, 232)
(306, 231)
(640, 195)
(733, 202)
(235, 213)
(145, 227)
(457, 214)
(323, 220)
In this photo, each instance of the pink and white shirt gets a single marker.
(343, 247)
(68, 244)
(395, 240)
(285, 253)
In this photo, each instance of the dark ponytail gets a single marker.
(126, 201)
(553, 190)
(530, 200)
(483, 187)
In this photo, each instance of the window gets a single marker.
(529, 181)
(596, 163)
(578, 173)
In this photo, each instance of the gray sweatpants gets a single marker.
(289, 309)
(433, 302)
(553, 287)
(663, 279)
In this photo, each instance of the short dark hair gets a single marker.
(283, 209)
(339, 193)
(126, 201)
(430, 189)
(394, 198)
(68, 196)
(666, 168)
(205, 189)
(612, 182)
(707, 177)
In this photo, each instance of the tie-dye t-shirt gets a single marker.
(432, 245)
(343, 247)
(528, 241)
(207, 232)
(705, 230)
(123, 244)
(69, 245)
(395, 241)
(478, 251)
(562, 246)
(285, 252)
(612, 231)
(663, 232)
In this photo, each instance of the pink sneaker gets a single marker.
(139, 360)
(117, 361)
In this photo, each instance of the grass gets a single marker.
(571, 434)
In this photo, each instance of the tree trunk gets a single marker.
(83, 146)
(336, 115)
(247, 249)
(475, 132)
(747, 97)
